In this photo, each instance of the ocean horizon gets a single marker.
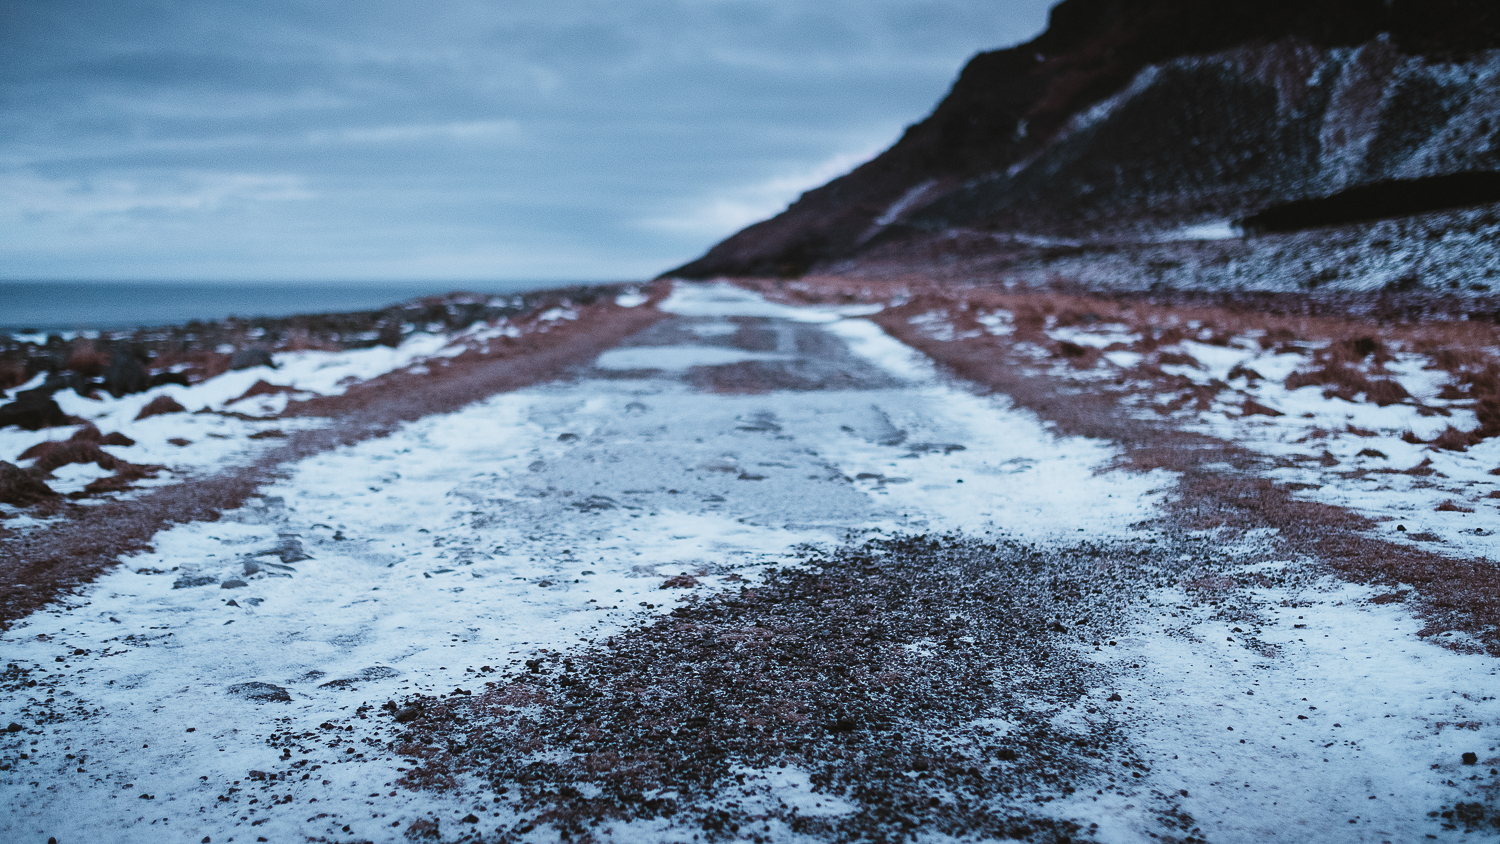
(39, 307)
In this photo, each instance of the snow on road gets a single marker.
(450, 553)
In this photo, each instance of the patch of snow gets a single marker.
(676, 358)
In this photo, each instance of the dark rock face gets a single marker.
(1157, 112)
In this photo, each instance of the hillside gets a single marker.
(1140, 132)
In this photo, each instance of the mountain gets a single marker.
(1128, 124)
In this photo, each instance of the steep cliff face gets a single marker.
(1148, 114)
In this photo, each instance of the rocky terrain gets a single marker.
(1172, 145)
(1112, 460)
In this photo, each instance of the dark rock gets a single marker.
(189, 581)
(179, 378)
(290, 550)
(159, 406)
(33, 413)
(407, 715)
(374, 672)
(14, 728)
(233, 583)
(251, 358)
(470, 819)
(1471, 759)
(1469, 814)
(126, 374)
(21, 488)
(260, 692)
(1115, 697)
(595, 503)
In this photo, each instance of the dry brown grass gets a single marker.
(38, 567)
(160, 406)
(1348, 354)
(1451, 594)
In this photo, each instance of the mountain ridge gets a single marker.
(1157, 113)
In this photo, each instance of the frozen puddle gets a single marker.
(450, 553)
(466, 544)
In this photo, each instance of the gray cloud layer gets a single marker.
(460, 140)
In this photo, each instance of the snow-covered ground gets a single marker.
(1351, 453)
(456, 549)
(223, 414)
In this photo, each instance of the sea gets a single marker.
(42, 307)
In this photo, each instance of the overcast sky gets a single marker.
(447, 139)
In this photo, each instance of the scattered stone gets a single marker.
(1115, 697)
(374, 672)
(189, 581)
(1471, 759)
(160, 406)
(258, 692)
(180, 441)
(290, 550)
(408, 715)
(594, 504)
(470, 819)
(14, 728)
(233, 583)
(268, 434)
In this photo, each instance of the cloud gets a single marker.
(462, 131)
(726, 210)
(30, 197)
(398, 138)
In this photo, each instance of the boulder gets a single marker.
(126, 374)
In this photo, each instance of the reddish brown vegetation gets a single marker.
(1450, 593)
(159, 406)
(263, 388)
(21, 488)
(38, 567)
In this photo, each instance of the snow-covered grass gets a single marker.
(452, 551)
(219, 421)
(1338, 440)
(523, 525)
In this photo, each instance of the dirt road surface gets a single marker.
(758, 573)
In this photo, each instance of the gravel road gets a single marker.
(757, 573)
